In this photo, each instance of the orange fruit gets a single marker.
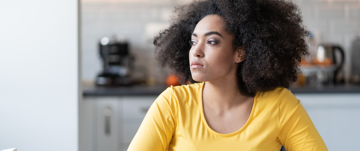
(172, 80)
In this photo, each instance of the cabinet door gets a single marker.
(86, 124)
(107, 124)
(336, 117)
(134, 110)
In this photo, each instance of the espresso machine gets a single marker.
(117, 63)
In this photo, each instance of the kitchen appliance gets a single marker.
(117, 63)
(325, 67)
(355, 61)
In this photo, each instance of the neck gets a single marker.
(223, 94)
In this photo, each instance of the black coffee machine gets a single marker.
(117, 63)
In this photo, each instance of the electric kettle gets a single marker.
(326, 56)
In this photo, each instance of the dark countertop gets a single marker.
(347, 88)
(156, 90)
(137, 90)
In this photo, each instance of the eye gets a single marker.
(192, 42)
(212, 42)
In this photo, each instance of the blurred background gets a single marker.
(328, 86)
(329, 21)
(92, 75)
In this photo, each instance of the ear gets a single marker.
(240, 55)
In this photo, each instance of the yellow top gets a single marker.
(176, 122)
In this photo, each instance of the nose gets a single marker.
(198, 50)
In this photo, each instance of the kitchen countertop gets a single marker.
(139, 90)
(136, 90)
(346, 88)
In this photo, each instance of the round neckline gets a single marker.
(221, 134)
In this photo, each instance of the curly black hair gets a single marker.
(270, 31)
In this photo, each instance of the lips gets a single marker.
(196, 64)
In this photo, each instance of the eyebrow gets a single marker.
(209, 33)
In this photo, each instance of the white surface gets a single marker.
(153, 29)
(130, 130)
(336, 117)
(10, 149)
(134, 111)
(39, 75)
(136, 107)
(87, 124)
(107, 141)
(127, 115)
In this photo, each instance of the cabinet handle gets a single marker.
(107, 114)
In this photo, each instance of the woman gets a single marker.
(242, 56)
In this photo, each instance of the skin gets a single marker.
(225, 109)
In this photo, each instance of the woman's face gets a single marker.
(212, 56)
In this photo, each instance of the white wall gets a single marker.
(39, 75)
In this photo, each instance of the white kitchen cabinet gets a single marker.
(336, 117)
(86, 124)
(136, 107)
(110, 123)
(134, 111)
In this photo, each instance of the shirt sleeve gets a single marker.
(157, 128)
(297, 131)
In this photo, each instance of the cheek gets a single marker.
(190, 56)
(221, 65)
(221, 60)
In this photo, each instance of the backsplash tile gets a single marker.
(354, 12)
(330, 12)
(341, 26)
(336, 21)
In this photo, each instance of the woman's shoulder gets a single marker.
(279, 96)
(277, 92)
(183, 92)
(180, 98)
(276, 104)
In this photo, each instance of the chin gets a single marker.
(198, 78)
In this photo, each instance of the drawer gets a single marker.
(129, 131)
(136, 107)
(107, 124)
(125, 146)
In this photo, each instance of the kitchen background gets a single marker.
(44, 105)
(136, 20)
(110, 117)
(335, 21)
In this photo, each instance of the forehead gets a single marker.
(210, 23)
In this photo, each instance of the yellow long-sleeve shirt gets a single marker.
(176, 122)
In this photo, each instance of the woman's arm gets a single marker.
(297, 131)
(157, 128)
